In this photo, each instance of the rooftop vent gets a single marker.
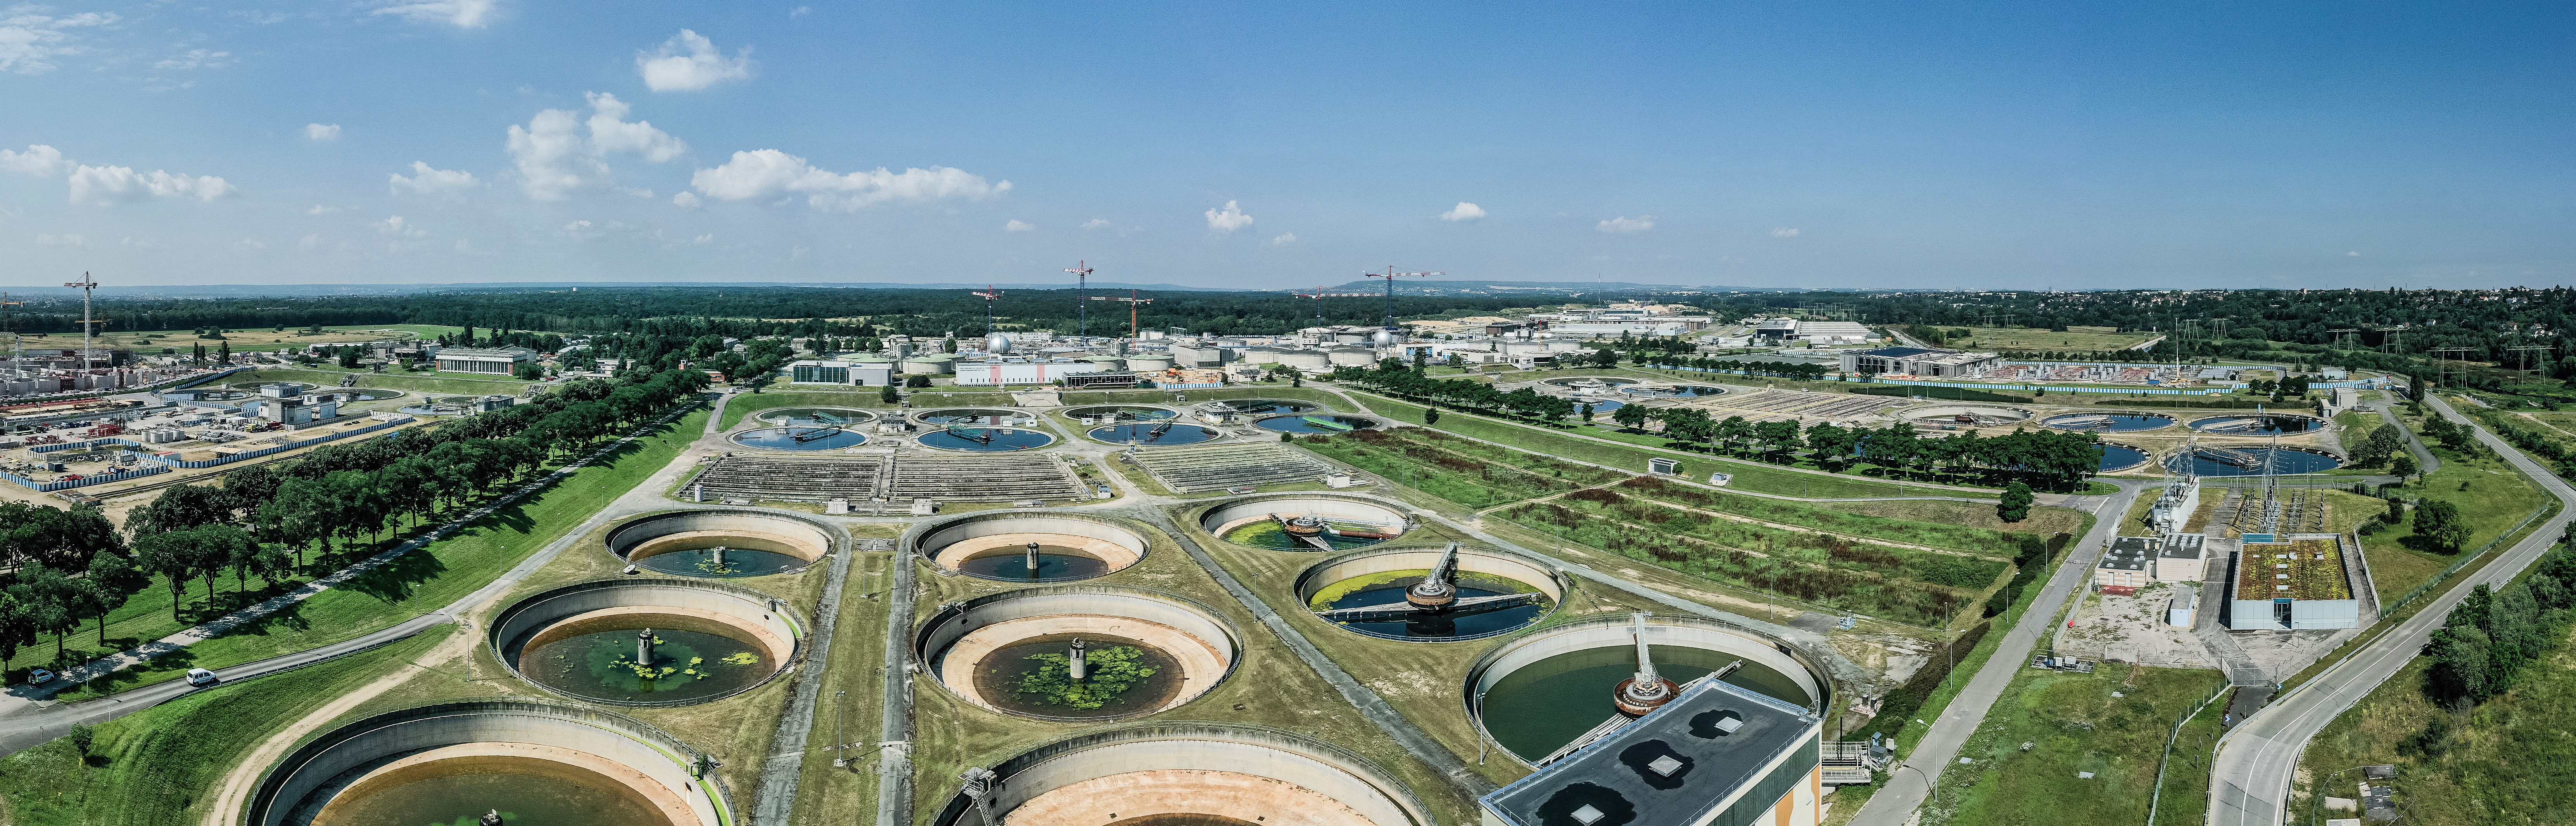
(1587, 815)
(1666, 765)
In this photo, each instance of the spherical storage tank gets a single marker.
(1351, 357)
(1149, 364)
(1384, 338)
(997, 343)
(935, 364)
(1306, 359)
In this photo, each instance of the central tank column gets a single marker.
(1033, 560)
(1081, 667)
(1647, 690)
(644, 647)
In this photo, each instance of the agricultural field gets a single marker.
(261, 340)
(2039, 338)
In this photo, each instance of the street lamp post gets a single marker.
(1927, 781)
(840, 744)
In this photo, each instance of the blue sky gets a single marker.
(2046, 145)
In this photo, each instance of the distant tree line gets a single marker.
(2059, 460)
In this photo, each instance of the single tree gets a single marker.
(2015, 504)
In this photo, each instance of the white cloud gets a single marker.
(764, 173)
(131, 242)
(321, 131)
(463, 246)
(1624, 225)
(705, 238)
(399, 228)
(1283, 239)
(553, 158)
(61, 241)
(2353, 254)
(799, 11)
(250, 244)
(321, 209)
(463, 14)
(1228, 221)
(29, 40)
(581, 230)
(112, 184)
(1785, 232)
(686, 200)
(1463, 212)
(39, 159)
(196, 59)
(309, 241)
(702, 66)
(1096, 223)
(1017, 225)
(427, 180)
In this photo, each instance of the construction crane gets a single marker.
(86, 284)
(1081, 312)
(1132, 303)
(1319, 295)
(17, 346)
(1391, 275)
(991, 345)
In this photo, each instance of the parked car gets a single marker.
(39, 676)
(201, 678)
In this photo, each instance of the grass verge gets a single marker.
(2050, 728)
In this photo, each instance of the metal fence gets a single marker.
(2166, 761)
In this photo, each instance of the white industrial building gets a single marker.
(1021, 371)
(499, 361)
(1920, 361)
(850, 373)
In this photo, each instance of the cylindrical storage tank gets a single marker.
(1564, 347)
(1306, 359)
(628, 771)
(1192, 773)
(1351, 357)
(1105, 364)
(1149, 364)
(869, 358)
(1524, 348)
(1261, 355)
(937, 364)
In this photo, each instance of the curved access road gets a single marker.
(2250, 780)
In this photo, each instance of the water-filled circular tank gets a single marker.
(1192, 774)
(1388, 593)
(448, 763)
(1305, 521)
(2267, 424)
(721, 543)
(1261, 407)
(1591, 383)
(2109, 422)
(1154, 434)
(1672, 391)
(984, 439)
(297, 388)
(2251, 460)
(808, 437)
(1536, 693)
(1139, 651)
(999, 546)
(1967, 415)
(1115, 413)
(975, 417)
(1316, 423)
(816, 416)
(2118, 457)
(646, 642)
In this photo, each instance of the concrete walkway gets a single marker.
(785, 766)
(2250, 779)
(28, 716)
(1905, 791)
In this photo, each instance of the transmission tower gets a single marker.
(2345, 339)
(2441, 366)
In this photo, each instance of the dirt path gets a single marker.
(234, 793)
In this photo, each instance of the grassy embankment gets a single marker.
(2506, 760)
(2491, 495)
(154, 766)
(428, 578)
(2074, 723)
(1268, 687)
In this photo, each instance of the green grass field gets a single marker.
(2491, 494)
(2073, 723)
(2507, 760)
(423, 581)
(431, 383)
(262, 340)
(2028, 338)
(745, 404)
(155, 766)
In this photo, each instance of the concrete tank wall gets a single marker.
(1306, 359)
(761, 531)
(1609, 632)
(1276, 755)
(1235, 512)
(775, 628)
(1352, 357)
(1503, 564)
(657, 756)
(937, 537)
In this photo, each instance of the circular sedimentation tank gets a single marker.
(1534, 694)
(2108, 422)
(1388, 593)
(1317, 423)
(1139, 652)
(2117, 457)
(1115, 413)
(1267, 407)
(646, 642)
(984, 439)
(975, 417)
(752, 543)
(806, 437)
(1967, 415)
(1588, 384)
(816, 416)
(1673, 391)
(2251, 460)
(2267, 424)
(252, 387)
(1305, 521)
(1191, 774)
(449, 763)
(1153, 434)
(998, 546)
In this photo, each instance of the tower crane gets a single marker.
(1081, 312)
(993, 340)
(1391, 275)
(17, 347)
(87, 329)
(1319, 295)
(1132, 303)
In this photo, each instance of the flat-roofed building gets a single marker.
(497, 361)
(1716, 754)
(2127, 566)
(1920, 361)
(2182, 557)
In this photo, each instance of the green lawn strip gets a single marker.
(1936, 699)
(1751, 476)
(2491, 494)
(427, 578)
(1820, 550)
(2186, 773)
(157, 765)
(1835, 589)
(743, 404)
(1472, 483)
(2508, 759)
(824, 793)
(2073, 724)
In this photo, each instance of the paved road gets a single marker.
(2250, 780)
(2424, 458)
(1906, 790)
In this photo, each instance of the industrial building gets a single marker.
(1716, 754)
(2126, 567)
(2293, 582)
(860, 373)
(999, 372)
(501, 361)
(1923, 362)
